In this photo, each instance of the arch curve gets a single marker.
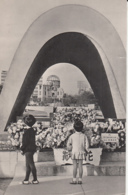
(70, 19)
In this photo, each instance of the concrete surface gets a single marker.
(1, 192)
(56, 181)
(58, 185)
(51, 169)
(4, 183)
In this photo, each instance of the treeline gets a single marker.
(87, 97)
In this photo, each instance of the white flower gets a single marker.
(53, 135)
(9, 130)
(17, 143)
(62, 138)
(43, 135)
(37, 137)
(16, 136)
(13, 142)
(38, 143)
(9, 137)
(65, 129)
(9, 142)
(56, 131)
(60, 133)
(19, 121)
(14, 128)
(58, 143)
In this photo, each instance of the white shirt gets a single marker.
(78, 143)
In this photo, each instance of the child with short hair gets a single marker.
(28, 149)
(78, 145)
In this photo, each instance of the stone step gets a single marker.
(51, 169)
(106, 157)
(45, 156)
(118, 163)
(3, 136)
(113, 156)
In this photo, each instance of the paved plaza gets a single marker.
(60, 185)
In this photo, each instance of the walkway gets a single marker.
(59, 185)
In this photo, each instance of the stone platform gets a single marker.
(111, 164)
(51, 169)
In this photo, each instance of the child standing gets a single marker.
(28, 149)
(78, 145)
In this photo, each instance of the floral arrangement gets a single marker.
(57, 134)
(113, 127)
(68, 115)
(54, 137)
(45, 137)
(15, 131)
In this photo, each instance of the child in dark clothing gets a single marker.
(28, 149)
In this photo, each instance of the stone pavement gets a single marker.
(1, 192)
(59, 185)
(4, 183)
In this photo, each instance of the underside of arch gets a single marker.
(74, 48)
(47, 42)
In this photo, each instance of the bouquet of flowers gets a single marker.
(53, 137)
(15, 131)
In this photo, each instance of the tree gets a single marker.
(87, 97)
(1, 87)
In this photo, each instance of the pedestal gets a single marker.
(94, 160)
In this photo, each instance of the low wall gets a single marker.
(113, 157)
(9, 160)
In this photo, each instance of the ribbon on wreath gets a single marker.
(90, 156)
(66, 155)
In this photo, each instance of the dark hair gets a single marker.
(29, 120)
(78, 125)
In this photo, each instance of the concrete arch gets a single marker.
(69, 18)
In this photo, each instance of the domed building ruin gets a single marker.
(52, 90)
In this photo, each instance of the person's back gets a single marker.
(78, 142)
(29, 141)
(28, 148)
(78, 145)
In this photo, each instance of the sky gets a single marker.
(68, 75)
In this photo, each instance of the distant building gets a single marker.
(3, 76)
(53, 81)
(38, 91)
(52, 90)
(60, 93)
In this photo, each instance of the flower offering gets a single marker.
(57, 134)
